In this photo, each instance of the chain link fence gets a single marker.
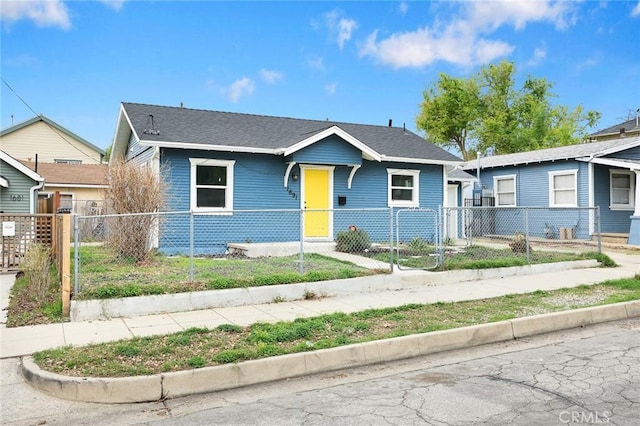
(418, 239)
(261, 247)
(184, 247)
(527, 232)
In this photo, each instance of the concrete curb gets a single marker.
(87, 310)
(212, 379)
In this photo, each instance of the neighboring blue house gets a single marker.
(604, 174)
(221, 164)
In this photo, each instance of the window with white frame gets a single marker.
(211, 185)
(504, 188)
(622, 189)
(66, 161)
(403, 188)
(563, 188)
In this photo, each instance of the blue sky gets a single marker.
(362, 62)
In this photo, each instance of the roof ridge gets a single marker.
(330, 122)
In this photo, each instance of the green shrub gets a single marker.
(419, 245)
(353, 241)
(220, 283)
(230, 328)
(127, 350)
(604, 260)
(196, 362)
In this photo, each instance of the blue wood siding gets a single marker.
(629, 154)
(137, 153)
(15, 198)
(258, 185)
(532, 190)
(331, 151)
(610, 220)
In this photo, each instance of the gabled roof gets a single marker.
(457, 175)
(188, 128)
(590, 149)
(53, 124)
(20, 167)
(629, 126)
(80, 175)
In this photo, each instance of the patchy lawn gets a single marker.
(201, 347)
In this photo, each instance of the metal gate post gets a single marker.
(526, 233)
(76, 255)
(439, 233)
(391, 238)
(191, 238)
(598, 229)
(301, 255)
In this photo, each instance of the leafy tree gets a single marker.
(450, 112)
(487, 113)
(107, 154)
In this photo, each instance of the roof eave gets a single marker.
(20, 167)
(209, 147)
(421, 161)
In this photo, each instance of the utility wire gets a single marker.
(44, 121)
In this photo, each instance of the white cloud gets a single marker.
(493, 14)
(43, 13)
(331, 88)
(403, 8)
(340, 28)
(114, 4)
(465, 40)
(423, 47)
(243, 87)
(539, 54)
(636, 10)
(271, 76)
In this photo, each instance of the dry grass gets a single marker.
(133, 189)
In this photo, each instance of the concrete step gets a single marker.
(616, 238)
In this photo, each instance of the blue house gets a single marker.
(604, 174)
(220, 166)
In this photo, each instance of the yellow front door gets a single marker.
(316, 197)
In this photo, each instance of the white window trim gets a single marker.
(415, 194)
(228, 209)
(552, 190)
(632, 190)
(496, 179)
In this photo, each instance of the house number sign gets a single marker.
(17, 197)
(8, 229)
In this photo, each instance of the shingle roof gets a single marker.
(71, 174)
(632, 125)
(226, 129)
(552, 154)
(460, 175)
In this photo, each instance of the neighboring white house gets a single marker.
(51, 142)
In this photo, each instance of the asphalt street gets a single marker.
(582, 376)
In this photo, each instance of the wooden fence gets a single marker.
(20, 230)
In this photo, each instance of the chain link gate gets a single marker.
(418, 239)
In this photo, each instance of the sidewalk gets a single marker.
(26, 340)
